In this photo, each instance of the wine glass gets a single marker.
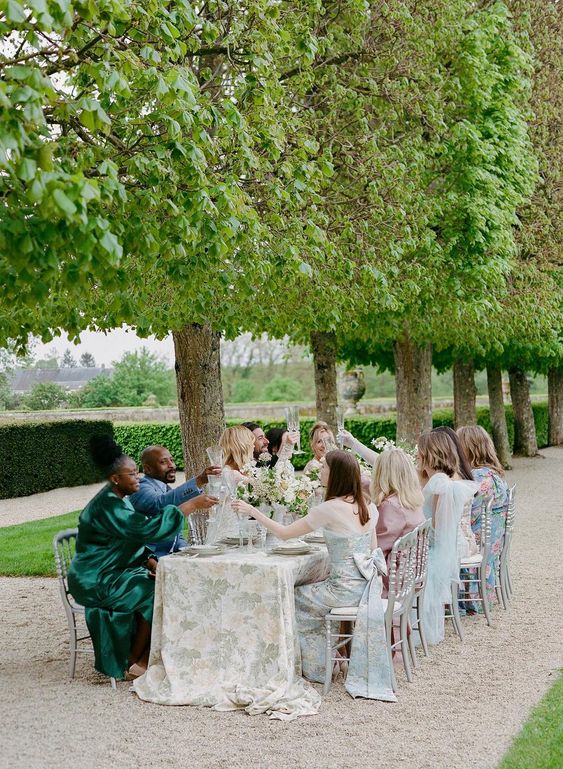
(215, 454)
(340, 426)
(292, 417)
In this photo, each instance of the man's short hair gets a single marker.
(251, 426)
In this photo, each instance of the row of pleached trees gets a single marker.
(377, 180)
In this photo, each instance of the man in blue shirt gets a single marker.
(155, 493)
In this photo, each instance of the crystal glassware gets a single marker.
(340, 426)
(215, 454)
(292, 418)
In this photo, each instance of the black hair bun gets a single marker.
(104, 451)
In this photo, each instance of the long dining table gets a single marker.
(224, 633)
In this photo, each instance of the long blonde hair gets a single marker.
(394, 473)
(237, 443)
(437, 452)
(319, 427)
(479, 448)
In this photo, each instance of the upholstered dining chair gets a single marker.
(397, 605)
(64, 543)
(473, 569)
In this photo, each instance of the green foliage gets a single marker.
(87, 360)
(45, 396)
(136, 377)
(282, 389)
(99, 392)
(47, 455)
(133, 437)
(540, 743)
(244, 391)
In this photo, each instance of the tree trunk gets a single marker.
(413, 382)
(525, 442)
(555, 396)
(498, 416)
(200, 393)
(323, 345)
(465, 393)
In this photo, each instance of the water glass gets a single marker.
(262, 534)
(251, 529)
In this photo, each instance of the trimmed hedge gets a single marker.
(39, 456)
(134, 437)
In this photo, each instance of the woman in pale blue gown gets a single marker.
(356, 564)
(445, 497)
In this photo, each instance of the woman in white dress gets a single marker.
(348, 523)
(445, 496)
(319, 435)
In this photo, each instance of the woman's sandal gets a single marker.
(134, 672)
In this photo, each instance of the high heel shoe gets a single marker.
(134, 672)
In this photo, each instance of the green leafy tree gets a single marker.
(139, 375)
(101, 391)
(45, 395)
(68, 361)
(282, 389)
(87, 360)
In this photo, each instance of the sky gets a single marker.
(107, 348)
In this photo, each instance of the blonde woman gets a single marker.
(396, 492)
(489, 473)
(237, 443)
(445, 497)
(319, 433)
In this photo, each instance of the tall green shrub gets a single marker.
(38, 456)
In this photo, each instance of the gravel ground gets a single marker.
(49, 503)
(466, 703)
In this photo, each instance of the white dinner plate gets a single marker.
(205, 549)
(317, 539)
(296, 550)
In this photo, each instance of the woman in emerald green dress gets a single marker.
(112, 572)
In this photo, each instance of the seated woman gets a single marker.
(319, 434)
(489, 473)
(280, 446)
(348, 522)
(112, 571)
(396, 492)
(237, 443)
(445, 495)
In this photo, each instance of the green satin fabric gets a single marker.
(107, 575)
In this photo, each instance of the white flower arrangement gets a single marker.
(277, 486)
(382, 444)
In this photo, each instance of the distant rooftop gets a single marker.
(23, 380)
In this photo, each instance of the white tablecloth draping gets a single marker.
(224, 633)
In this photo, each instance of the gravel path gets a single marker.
(49, 503)
(466, 703)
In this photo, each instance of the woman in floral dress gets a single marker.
(489, 473)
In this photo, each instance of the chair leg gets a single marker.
(328, 657)
(405, 646)
(389, 637)
(420, 618)
(412, 649)
(503, 586)
(72, 646)
(483, 592)
(455, 611)
(113, 683)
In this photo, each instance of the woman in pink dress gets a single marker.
(396, 491)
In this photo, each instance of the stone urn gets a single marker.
(352, 388)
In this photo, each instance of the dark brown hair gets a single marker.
(464, 466)
(344, 480)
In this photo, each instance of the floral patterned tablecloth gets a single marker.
(224, 633)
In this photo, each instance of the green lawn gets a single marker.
(26, 550)
(540, 743)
